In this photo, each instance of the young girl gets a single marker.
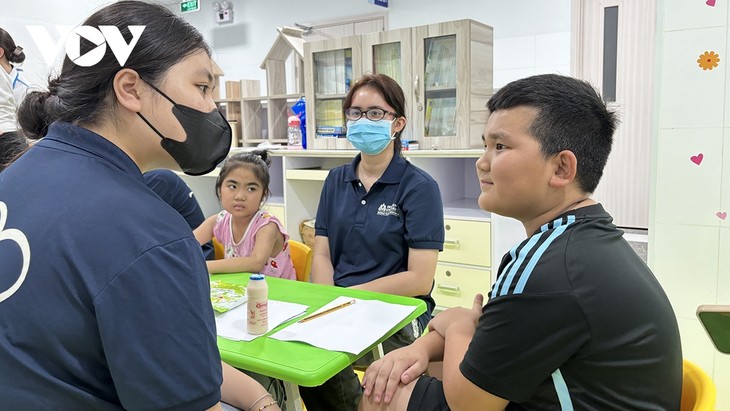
(254, 240)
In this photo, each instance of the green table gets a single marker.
(299, 363)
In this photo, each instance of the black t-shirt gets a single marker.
(577, 318)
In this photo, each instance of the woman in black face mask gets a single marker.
(104, 293)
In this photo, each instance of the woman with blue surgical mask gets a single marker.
(379, 224)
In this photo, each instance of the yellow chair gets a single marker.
(220, 252)
(698, 390)
(301, 256)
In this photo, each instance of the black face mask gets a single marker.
(207, 142)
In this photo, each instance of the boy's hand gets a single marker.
(443, 320)
(403, 365)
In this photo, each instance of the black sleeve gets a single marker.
(521, 339)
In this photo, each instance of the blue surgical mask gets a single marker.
(368, 136)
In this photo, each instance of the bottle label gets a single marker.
(258, 317)
(258, 305)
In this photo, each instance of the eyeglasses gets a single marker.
(374, 114)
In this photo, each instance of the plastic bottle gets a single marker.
(258, 305)
(294, 134)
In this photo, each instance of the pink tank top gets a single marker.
(280, 266)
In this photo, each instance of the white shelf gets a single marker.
(310, 175)
(215, 173)
(465, 209)
(275, 200)
(466, 153)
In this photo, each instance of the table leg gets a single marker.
(378, 352)
(293, 399)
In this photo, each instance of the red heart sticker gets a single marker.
(721, 215)
(697, 159)
(710, 3)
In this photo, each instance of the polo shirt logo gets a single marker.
(17, 236)
(389, 210)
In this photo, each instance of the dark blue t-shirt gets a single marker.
(370, 233)
(112, 308)
(171, 188)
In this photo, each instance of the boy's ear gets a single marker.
(127, 85)
(565, 168)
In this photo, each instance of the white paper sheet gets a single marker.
(350, 329)
(232, 324)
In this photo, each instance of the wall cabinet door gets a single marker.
(445, 71)
(452, 80)
(390, 53)
(331, 66)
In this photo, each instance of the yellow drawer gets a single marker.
(456, 286)
(467, 242)
(277, 211)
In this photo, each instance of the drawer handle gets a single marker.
(451, 243)
(449, 289)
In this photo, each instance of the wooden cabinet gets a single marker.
(456, 285)
(445, 71)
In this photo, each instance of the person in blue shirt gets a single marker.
(171, 188)
(379, 225)
(104, 292)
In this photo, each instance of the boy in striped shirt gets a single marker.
(575, 319)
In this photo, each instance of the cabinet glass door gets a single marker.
(439, 86)
(390, 53)
(332, 79)
(387, 60)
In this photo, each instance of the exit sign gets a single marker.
(189, 5)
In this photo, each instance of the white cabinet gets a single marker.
(444, 69)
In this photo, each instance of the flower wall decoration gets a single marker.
(708, 60)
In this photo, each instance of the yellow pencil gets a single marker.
(327, 311)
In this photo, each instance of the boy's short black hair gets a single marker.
(571, 116)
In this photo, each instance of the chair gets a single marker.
(698, 390)
(220, 252)
(301, 256)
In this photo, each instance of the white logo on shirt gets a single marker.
(17, 236)
(389, 210)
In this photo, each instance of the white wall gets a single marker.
(17, 16)
(531, 36)
(689, 243)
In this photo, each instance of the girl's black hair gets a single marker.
(13, 52)
(257, 161)
(80, 94)
(12, 145)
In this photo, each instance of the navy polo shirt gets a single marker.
(369, 233)
(173, 189)
(114, 309)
